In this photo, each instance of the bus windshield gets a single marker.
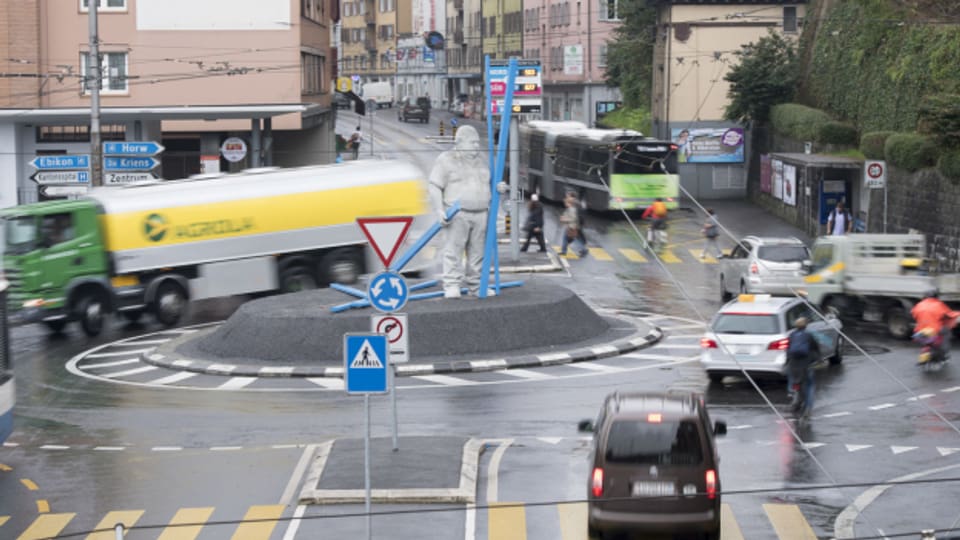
(19, 234)
(653, 157)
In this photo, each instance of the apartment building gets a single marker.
(501, 26)
(422, 71)
(464, 51)
(185, 74)
(570, 39)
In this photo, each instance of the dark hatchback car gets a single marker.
(414, 108)
(654, 466)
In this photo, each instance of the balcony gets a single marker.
(458, 36)
(370, 18)
(370, 43)
(458, 4)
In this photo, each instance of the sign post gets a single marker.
(394, 326)
(875, 177)
(365, 360)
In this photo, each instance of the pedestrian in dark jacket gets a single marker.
(534, 224)
(803, 352)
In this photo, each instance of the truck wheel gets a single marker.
(340, 266)
(296, 279)
(91, 311)
(170, 303)
(898, 322)
(56, 326)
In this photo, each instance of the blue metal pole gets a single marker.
(427, 236)
(349, 290)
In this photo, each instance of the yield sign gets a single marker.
(385, 235)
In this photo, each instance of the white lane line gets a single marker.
(294, 526)
(593, 366)
(882, 406)
(470, 523)
(54, 447)
(836, 414)
(110, 448)
(236, 383)
(121, 353)
(443, 379)
(667, 345)
(683, 327)
(812, 445)
(144, 342)
(176, 377)
(642, 356)
(951, 389)
(493, 470)
(550, 440)
(947, 451)
(327, 382)
(112, 364)
(297, 474)
(856, 447)
(166, 449)
(133, 371)
(742, 426)
(902, 449)
(525, 374)
(225, 448)
(921, 396)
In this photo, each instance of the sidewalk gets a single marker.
(742, 218)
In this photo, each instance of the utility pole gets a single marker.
(93, 76)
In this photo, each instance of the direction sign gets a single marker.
(365, 360)
(61, 177)
(385, 235)
(388, 292)
(120, 178)
(63, 191)
(132, 148)
(61, 162)
(394, 326)
(527, 90)
(129, 163)
(875, 174)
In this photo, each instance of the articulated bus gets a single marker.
(6, 367)
(611, 169)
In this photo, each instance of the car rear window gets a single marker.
(423, 102)
(666, 443)
(783, 253)
(746, 323)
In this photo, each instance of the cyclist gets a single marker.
(936, 318)
(658, 227)
(802, 351)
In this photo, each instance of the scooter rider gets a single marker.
(935, 318)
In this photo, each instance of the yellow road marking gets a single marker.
(506, 523)
(46, 526)
(573, 520)
(43, 506)
(183, 516)
(570, 253)
(729, 530)
(106, 526)
(263, 520)
(29, 484)
(632, 255)
(706, 260)
(4, 519)
(668, 257)
(600, 254)
(5, 468)
(789, 522)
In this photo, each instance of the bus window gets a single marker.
(646, 158)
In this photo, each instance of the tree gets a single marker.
(767, 75)
(630, 53)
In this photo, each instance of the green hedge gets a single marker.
(910, 151)
(798, 121)
(949, 165)
(940, 117)
(628, 118)
(872, 144)
(834, 132)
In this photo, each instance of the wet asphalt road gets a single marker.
(96, 452)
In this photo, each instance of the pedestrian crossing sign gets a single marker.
(365, 360)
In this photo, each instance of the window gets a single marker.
(108, 132)
(783, 254)
(790, 19)
(105, 5)
(312, 69)
(113, 67)
(566, 13)
(746, 323)
(602, 61)
(56, 228)
(667, 443)
(608, 10)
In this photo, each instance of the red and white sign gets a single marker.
(394, 326)
(385, 234)
(875, 174)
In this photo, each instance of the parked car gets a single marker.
(763, 265)
(654, 466)
(752, 333)
(377, 95)
(459, 104)
(414, 108)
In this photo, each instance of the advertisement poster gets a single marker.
(789, 184)
(709, 145)
(778, 178)
(766, 173)
(573, 59)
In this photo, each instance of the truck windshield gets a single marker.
(20, 234)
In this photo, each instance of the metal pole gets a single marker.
(366, 464)
(884, 208)
(393, 403)
(94, 77)
(118, 531)
(515, 187)
(371, 129)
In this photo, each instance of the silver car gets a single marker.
(763, 265)
(751, 333)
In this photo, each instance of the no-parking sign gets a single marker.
(875, 174)
(394, 326)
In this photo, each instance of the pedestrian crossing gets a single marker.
(670, 255)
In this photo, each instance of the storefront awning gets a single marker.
(818, 160)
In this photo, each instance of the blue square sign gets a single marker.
(365, 363)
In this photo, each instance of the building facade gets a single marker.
(501, 26)
(188, 83)
(464, 51)
(421, 71)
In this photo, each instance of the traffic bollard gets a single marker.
(453, 129)
(506, 224)
(441, 128)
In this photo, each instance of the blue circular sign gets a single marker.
(388, 292)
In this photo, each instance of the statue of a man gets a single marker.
(462, 174)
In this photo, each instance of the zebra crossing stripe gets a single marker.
(444, 380)
(237, 382)
(175, 378)
(729, 529)
(593, 366)
(128, 518)
(668, 257)
(128, 372)
(120, 353)
(112, 364)
(599, 254)
(632, 255)
(258, 523)
(526, 374)
(47, 526)
(573, 520)
(788, 522)
(327, 382)
(186, 524)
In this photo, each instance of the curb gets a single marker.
(165, 357)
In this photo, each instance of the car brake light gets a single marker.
(597, 487)
(711, 484)
(779, 345)
(754, 269)
(654, 418)
(707, 343)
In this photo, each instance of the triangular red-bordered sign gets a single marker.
(385, 234)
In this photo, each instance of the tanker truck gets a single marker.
(153, 248)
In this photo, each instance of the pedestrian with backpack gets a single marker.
(840, 222)
(802, 352)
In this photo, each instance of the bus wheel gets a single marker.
(170, 304)
(91, 310)
(341, 266)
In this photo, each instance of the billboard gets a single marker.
(709, 145)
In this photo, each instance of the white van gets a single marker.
(380, 93)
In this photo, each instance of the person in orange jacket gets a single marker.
(933, 316)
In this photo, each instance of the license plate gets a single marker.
(653, 489)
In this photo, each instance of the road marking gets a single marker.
(4, 519)
(705, 260)
(855, 447)
(144, 342)
(43, 507)
(668, 257)
(54, 447)
(632, 255)
(29, 484)
(507, 522)
(297, 475)
(947, 451)
(951, 389)
(550, 440)
(788, 522)
(642, 356)
(327, 382)
(836, 414)
(493, 470)
(592, 366)
(568, 255)
(294, 525)
(122, 353)
(812, 445)
(125, 373)
(902, 449)
(921, 396)
(166, 449)
(178, 529)
(176, 377)
(237, 382)
(258, 523)
(112, 364)
(225, 448)
(573, 520)
(743, 426)
(46, 526)
(443, 379)
(600, 254)
(470, 523)
(729, 529)
(882, 406)
(109, 448)
(525, 374)
(109, 522)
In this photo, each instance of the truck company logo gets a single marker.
(155, 227)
